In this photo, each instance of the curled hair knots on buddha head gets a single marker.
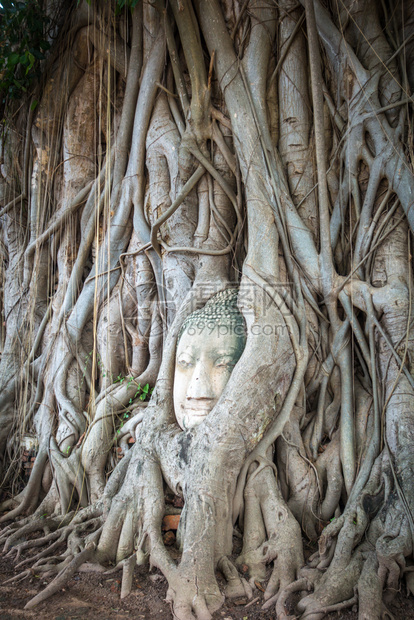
(221, 309)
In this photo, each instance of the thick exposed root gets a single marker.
(370, 590)
(361, 555)
(189, 602)
(236, 586)
(271, 533)
(127, 575)
(283, 595)
(335, 587)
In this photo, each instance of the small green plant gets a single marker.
(142, 392)
(124, 417)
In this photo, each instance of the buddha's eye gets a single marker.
(225, 362)
(184, 362)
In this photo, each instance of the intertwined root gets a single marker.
(271, 533)
(67, 569)
(79, 531)
(358, 559)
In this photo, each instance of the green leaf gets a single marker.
(19, 85)
(13, 59)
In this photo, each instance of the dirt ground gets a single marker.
(95, 596)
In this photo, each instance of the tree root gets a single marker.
(330, 608)
(78, 551)
(62, 578)
(38, 525)
(335, 586)
(46, 566)
(296, 586)
(190, 599)
(127, 575)
(29, 544)
(282, 595)
(45, 552)
(236, 586)
(67, 528)
(271, 533)
(370, 590)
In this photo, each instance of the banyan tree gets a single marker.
(206, 247)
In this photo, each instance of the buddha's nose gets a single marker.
(200, 384)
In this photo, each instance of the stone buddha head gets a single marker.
(210, 344)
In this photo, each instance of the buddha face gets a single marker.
(204, 362)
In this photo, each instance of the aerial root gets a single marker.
(191, 598)
(337, 584)
(323, 561)
(64, 575)
(391, 552)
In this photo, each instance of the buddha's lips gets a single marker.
(198, 409)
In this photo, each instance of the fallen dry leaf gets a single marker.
(259, 586)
